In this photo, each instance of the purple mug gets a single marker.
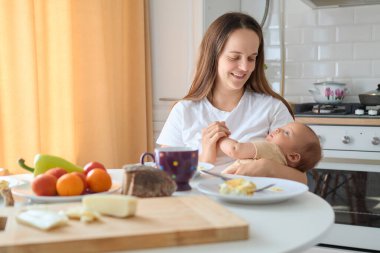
(179, 162)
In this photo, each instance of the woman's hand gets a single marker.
(253, 168)
(210, 136)
(267, 168)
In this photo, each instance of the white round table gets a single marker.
(293, 225)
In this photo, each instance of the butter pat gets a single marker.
(41, 219)
(113, 205)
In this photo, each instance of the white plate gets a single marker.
(283, 190)
(26, 192)
(13, 181)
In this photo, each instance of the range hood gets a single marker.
(338, 3)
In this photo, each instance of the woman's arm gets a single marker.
(210, 136)
(237, 150)
(268, 168)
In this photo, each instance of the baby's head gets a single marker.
(299, 144)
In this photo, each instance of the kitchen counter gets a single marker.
(346, 121)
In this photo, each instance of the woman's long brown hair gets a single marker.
(211, 47)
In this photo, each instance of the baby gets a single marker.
(295, 145)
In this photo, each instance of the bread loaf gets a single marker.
(146, 181)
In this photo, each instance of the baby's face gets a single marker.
(289, 137)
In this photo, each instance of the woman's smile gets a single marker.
(238, 76)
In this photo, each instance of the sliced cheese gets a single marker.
(41, 219)
(82, 214)
(113, 205)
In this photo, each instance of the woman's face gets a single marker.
(237, 59)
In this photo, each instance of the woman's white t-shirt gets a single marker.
(255, 116)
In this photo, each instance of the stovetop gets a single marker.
(344, 110)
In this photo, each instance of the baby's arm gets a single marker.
(237, 150)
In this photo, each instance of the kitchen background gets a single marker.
(303, 45)
(317, 44)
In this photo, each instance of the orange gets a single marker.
(83, 177)
(70, 185)
(98, 180)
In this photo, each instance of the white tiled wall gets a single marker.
(340, 44)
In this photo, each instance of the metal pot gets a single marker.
(329, 92)
(371, 97)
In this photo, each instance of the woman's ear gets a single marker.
(293, 157)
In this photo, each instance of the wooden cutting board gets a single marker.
(159, 222)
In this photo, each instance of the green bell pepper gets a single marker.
(43, 163)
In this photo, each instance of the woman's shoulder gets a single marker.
(262, 98)
(187, 106)
(183, 103)
(267, 103)
(186, 102)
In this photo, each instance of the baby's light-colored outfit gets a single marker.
(264, 149)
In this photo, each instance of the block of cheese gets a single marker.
(113, 205)
(41, 219)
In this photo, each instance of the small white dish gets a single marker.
(13, 181)
(204, 166)
(283, 190)
(25, 191)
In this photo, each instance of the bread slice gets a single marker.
(147, 182)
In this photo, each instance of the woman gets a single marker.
(230, 96)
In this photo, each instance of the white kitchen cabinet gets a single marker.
(175, 27)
